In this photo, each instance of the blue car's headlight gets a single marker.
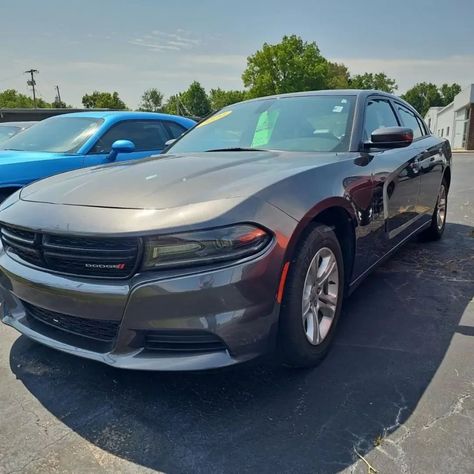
(203, 247)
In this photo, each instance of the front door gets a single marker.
(395, 179)
(430, 161)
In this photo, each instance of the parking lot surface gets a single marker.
(396, 391)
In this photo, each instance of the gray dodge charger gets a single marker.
(243, 239)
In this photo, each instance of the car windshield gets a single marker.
(294, 123)
(7, 132)
(55, 135)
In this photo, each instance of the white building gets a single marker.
(454, 121)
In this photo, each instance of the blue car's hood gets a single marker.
(13, 156)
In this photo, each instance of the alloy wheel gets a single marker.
(441, 207)
(320, 295)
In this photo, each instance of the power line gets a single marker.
(32, 83)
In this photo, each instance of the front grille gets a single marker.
(188, 341)
(108, 257)
(99, 330)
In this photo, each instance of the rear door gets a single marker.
(149, 137)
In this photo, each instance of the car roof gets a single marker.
(17, 124)
(350, 92)
(124, 115)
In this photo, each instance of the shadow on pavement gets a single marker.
(392, 337)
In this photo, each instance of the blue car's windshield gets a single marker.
(60, 134)
(292, 123)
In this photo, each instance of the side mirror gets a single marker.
(120, 146)
(390, 137)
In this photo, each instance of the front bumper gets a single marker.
(235, 303)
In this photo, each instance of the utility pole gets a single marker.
(32, 83)
(58, 94)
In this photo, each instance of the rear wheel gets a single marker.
(438, 220)
(312, 300)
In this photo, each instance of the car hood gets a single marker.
(173, 180)
(10, 157)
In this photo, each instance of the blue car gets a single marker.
(77, 140)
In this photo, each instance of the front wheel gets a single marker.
(312, 300)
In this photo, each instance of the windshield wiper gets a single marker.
(236, 149)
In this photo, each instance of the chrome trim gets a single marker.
(395, 232)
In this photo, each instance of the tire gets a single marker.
(438, 219)
(309, 314)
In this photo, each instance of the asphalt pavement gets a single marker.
(396, 391)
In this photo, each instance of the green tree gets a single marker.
(151, 101)
(448, 92)
(12, 99)
(338, 76)
(422, 96)
(220, 98)
(379, 81)
(195, 100)
(103, 100)
(173, 105)
(59, 104)
(289, 66)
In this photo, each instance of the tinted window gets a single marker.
(298, 123)
(55, 135)
(424, 128)
(175, 129)
(410, 120)
(147, 135)
(378, 114)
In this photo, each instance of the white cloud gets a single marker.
(163, 41)
(407, 72)
(153, 46)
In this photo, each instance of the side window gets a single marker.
(147, 135)
(175, 129)
(410, 120)
(378, 113)
(424, 128)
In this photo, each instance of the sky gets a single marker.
(129, 46)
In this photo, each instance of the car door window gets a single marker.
(378, 114)
(175, 129)
(410, 120)
(147, 135)
(424, 128)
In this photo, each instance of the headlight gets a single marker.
(203, 247)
